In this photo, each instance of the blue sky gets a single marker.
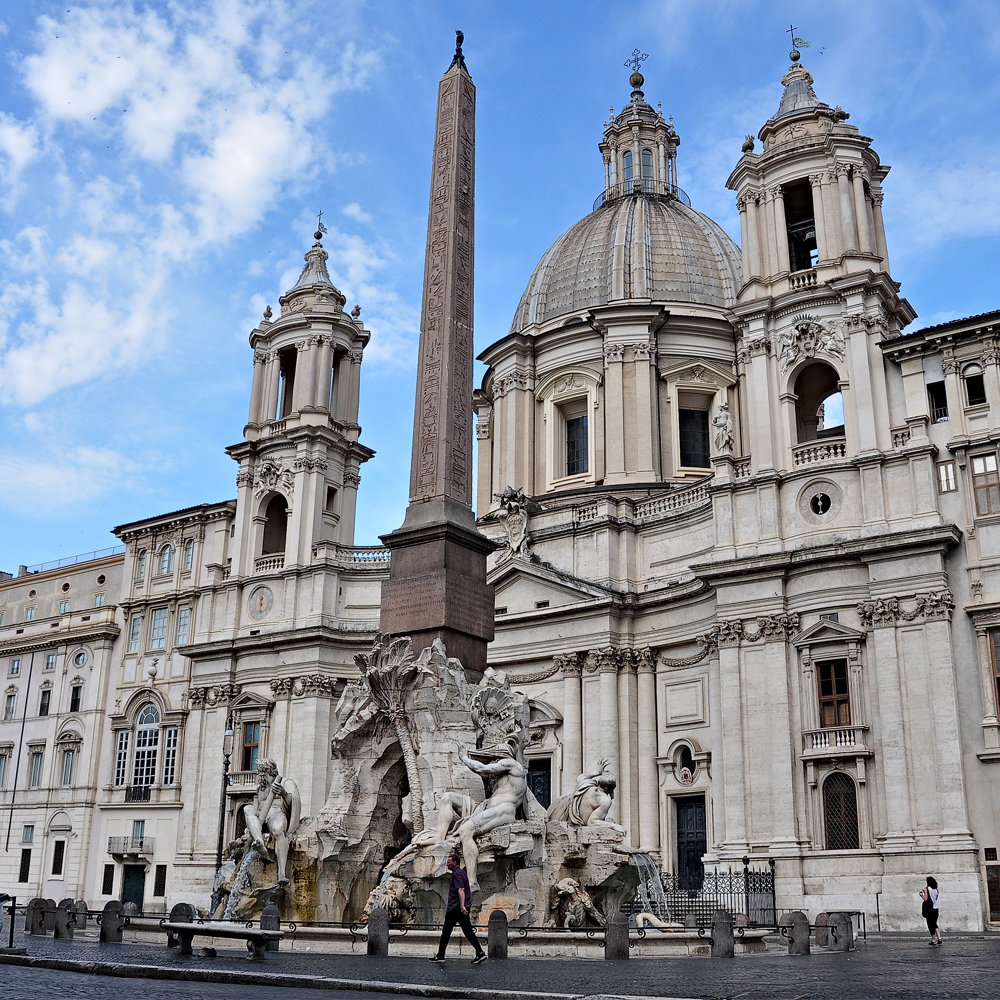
(161, 166)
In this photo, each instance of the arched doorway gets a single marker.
(275, 526)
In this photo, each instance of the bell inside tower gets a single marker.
(800, 217)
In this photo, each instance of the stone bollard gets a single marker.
(378, 932)
(82, 911)
(798, 933)
(50, 915)
(270, 920)
(65, 920)
(616, 936)
(496, 935)
(112, 922)
(822, 937)
(34, 917)
(841, 932)
(180, 913)
(723, 943)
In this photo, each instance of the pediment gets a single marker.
(699, 371)
(247, 700)
(827, 631)
(521, 586)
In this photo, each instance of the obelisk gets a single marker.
(437, 585)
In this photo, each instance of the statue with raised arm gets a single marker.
(275, 812)
(590, 802)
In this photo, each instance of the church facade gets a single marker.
(749, 552)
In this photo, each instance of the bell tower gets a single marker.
(300, 456)
(817, 294)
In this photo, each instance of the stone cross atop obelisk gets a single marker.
(437, 577)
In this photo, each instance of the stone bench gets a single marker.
(257, 940)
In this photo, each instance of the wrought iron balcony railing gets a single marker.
(640, 185)
(137, 793)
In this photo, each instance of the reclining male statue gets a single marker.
(591, 801)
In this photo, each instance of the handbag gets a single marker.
(927, 908)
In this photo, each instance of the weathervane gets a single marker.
(797, 43)
(320, 228)
(638, 58)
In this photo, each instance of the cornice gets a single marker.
(46, 640)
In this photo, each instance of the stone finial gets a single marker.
(356, 311)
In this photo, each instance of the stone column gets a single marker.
(756, 346)
(741, 204)
(646, 412)
(614, 422)
(572, 730)
(780, 228)
(354, 396)
(861, 380)
(771, 227)
(628, 745)
(753, 231)
(437, 585)
(731, 728)
(850, 232)
(608, 664)
(881, 247)
(324, 372)
(816, 182)
(649, 799)
(258, 387)
(348, 507)
(607, 172)
(304, 390)
(272, 386)
(662, 157)
(865, 243)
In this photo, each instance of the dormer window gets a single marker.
(627, 168)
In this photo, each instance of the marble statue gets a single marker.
(275, 811)
(572, 905)
(395, 896)
(590, 802)
(723, 424)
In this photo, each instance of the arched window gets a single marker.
(166, 559)
(647, 170)
(189, 553)
(627, 168)
(147, 743)
(275, 526)
(140, 565)
(840, 809)
(975, 385)
(817, 383)
(830, 416)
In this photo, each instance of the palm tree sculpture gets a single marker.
(389, 672)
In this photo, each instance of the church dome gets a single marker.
(634, 247)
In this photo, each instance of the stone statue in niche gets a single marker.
(590, 802)
(572, 905)
(274, 813)
(723, 424)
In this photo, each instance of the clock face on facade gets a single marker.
(260, 602)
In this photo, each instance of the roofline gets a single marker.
(201, 507)
(979, 319)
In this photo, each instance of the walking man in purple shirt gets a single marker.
(459, 900)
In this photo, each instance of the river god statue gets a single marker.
(275, 811)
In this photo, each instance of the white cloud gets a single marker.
(18, 147)
(354, 211)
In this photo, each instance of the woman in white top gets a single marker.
(929, 909)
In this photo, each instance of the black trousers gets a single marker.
(451, 918)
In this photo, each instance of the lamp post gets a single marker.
(227, 753)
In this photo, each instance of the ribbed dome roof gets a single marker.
(634, 247)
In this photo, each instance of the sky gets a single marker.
(162, 164)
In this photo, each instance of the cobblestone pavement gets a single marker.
(888, 969)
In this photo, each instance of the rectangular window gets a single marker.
(63, 607)
(946, 477)
(25, 870)
(938, 399)
(189, 553)
(986, 484)
(694, 441)
(69, 756)
(121, 757)
(98, 600)
(108, 884)
(138, 830)
(183, 617)
(147, 741)
(576, 445)
(9, 704)
(58, 856)
(800, 224)
(3, 770)
(834, 697)
(135, 627)
(15, 667)
(28, 833)
(251, 745)
(50, 661)
(75, 694)
(170, 755)
(29, 614)
(36, 770)
(44, 702)
(158, 633)
(160, 881)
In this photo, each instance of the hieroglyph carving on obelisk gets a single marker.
(442, 430)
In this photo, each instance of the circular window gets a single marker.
(65, 587)
(820, 503)
(31, 594)
(101, 580)
(81, 658)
